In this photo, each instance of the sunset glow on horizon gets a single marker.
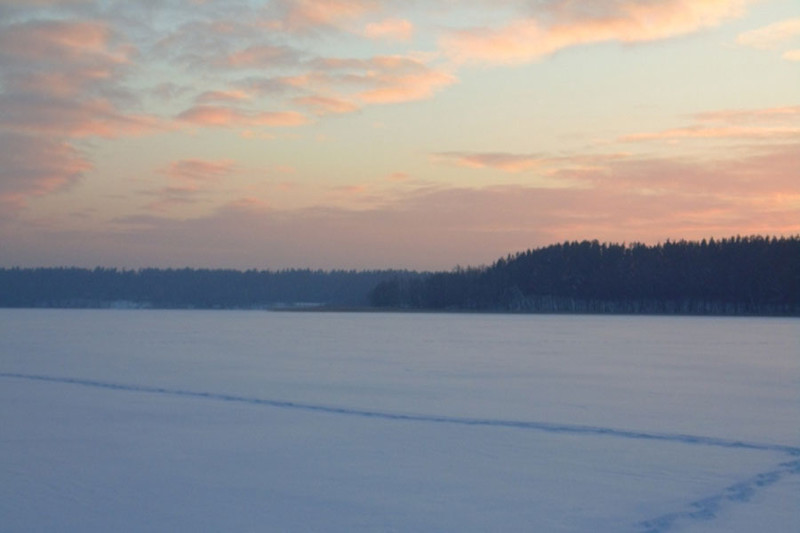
(365, 134)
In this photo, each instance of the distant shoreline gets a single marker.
(323, 309)
(739, 276)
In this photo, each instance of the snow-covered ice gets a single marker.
(263, 421)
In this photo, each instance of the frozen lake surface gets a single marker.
(267, 421)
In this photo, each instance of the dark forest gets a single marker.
(185, 288)
(734, 276)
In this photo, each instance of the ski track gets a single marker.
(707, 508)
(700, 510)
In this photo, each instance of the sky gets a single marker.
(366, 134)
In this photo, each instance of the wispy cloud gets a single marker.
(261, 57)
(210, 97)
(753, 124)
(773, 36)
(394, 79)
(783, 35)
(59, 40)
(623, 199)
(34, 165)
(739, 116)
(309, 15)
(73, 72)
(196, 171)
(390, 29)
(224, 116)
(496, 160)
(562, 23)
(189, 181)
(60, 81)
(374, 80)
(69, 119)
(323, 105)
(722, 132)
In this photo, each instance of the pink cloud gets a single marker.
(757, 173)
(72, 119)
(495, 160)
(62, 81)
(195, 171)
(321, 105)
(438, 228)
(566, 24)
(222, 96)
(34, 166)
(391, 29)
(260, 56)
(351, 190)
(190, 181)
(738, 116)
(299, 15)
(727, 132)
(168, 198)
(375, 80)
(753, 124)
(393, 79)
(629, 199)
(63, 58)
(221, 116)
(407, 87)
(54, 41)
(397, 176)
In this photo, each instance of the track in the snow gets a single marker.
(703, 509)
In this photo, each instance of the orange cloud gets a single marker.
(405, 88)
(305, 14)
(626, 21)
(755, 124)
(222, 96)
(391, 29)
(494, 160)
(789, 113)
(400, 79)
(772, 36)
(791, 55)
(208, 115)
(375, 80)
(261, 56)
(321, 105)
(729, 132)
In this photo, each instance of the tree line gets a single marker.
(185, 288)
(735, 276)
